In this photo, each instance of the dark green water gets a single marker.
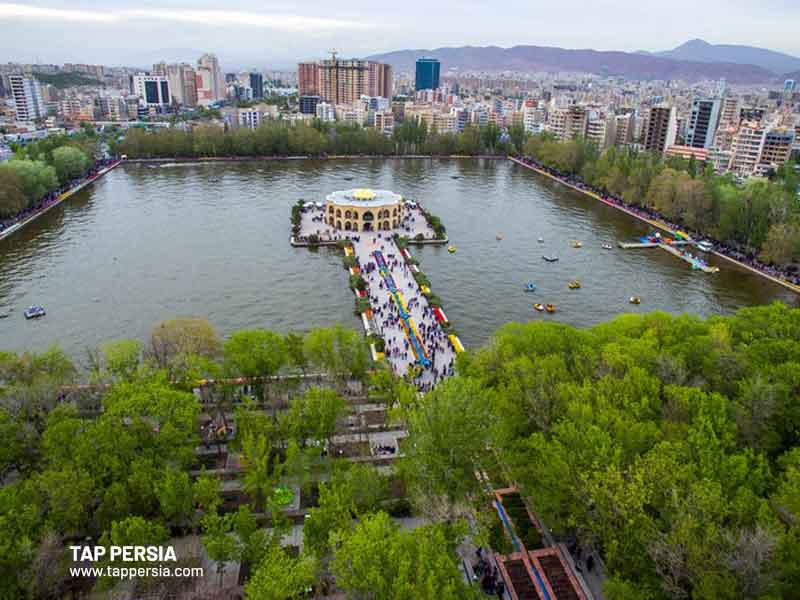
(211, 240)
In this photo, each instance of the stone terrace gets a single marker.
(313, 223)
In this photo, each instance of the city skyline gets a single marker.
(248, 33)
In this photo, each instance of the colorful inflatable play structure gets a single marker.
(457, 345)
(420, 354)
(439, 314)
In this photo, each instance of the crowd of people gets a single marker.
(748, 259)
(52, 196)
(386, 316)
(486, 571)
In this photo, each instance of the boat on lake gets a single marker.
(635, 300)
(574, 285)
(551, 308)
(34, 312)
(451, 249)
(530, 287)
(577, 244)
(539, 307)
(607, 246)
(549, 258)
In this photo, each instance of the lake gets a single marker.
(211, 240)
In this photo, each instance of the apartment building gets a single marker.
(776, 150)
(702, 123)
(568, 123)
(660, 130)
(748, 142)
(27, 95)
(152, 89)
(344, 81)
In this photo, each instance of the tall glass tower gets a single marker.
(427, 74)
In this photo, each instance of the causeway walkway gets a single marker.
(386, 318)
(386, 321)
(55, 202)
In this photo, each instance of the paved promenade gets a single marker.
(47, 205)
(386, 318)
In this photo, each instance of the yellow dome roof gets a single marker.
(363, 194)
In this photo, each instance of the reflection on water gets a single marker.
(211, 240)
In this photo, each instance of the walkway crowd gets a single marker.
(52, 196)
(749, 259)
(386, 315)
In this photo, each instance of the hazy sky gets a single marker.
(275, 34)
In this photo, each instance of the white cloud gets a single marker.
(279, 22)
(19, 11)
(290, 23)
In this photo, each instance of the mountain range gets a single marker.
(702, 51)
(692, 61)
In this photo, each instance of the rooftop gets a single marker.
(364, 197)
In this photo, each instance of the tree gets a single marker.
(12, 193)
(69, 163)
(281, 577)
(175, 345)
(294, 350)
(518, 136)
(448, 434)
(37, 178)
(68, 493)
(174, 493)
(122, 358)
(206, 492)
(221, 545)
(255, 353)
(377, 559)
(137, 531)
(313, 415)
(261, 471)
(339, 351)
(782, 245)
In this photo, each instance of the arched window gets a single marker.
(338, 213)
(368, 216)
(394, 212)
(338, 224)
(347, 214)
(347, 225)
(394, 223)
(355, 215)
(330, 209)
(386, 225)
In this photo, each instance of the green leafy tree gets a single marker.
(12, 192)
(448, 435)
(174, 493)
(37, 178)
(69, 163)
(313, 415)
(255, 353)
(377, 559)
(281, 577)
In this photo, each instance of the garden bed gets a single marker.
(526, 530)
